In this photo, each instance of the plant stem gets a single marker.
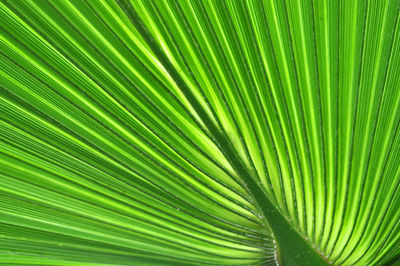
(292, 248)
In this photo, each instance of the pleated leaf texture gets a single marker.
(199, 132)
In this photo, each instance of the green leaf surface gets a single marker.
(199, 132)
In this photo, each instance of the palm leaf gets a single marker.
(199, 132)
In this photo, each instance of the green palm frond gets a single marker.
(199, 132)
